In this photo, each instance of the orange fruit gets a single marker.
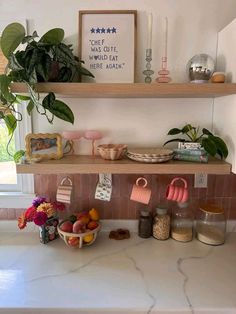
(73, 241)
(94, 215)
(92, 225)
(88, 238)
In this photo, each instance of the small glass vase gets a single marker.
(48, 232)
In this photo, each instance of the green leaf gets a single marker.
(187, 128)
(175, 140)
(53, 36)
(83, 71)
(209, 146)
(44, 66)
(48, 100)
(18, 155)
(13, 63)
(22, 97)
(174, 131)
(5, 90)
(10, 122)
(64, 74)
(30, 107)
(58, 108)
(29, 38)
(206, 132)
(222, 149)
(12, 36)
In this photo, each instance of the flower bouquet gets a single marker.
(44, 215)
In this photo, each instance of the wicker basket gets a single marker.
(66, 236)
(112, 151)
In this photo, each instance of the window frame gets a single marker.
(21, 194)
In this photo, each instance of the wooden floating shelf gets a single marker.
(89, 164)
(135, 90)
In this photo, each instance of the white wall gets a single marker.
(225, 107)
(193, 27)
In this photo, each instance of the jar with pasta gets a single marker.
(161, 224)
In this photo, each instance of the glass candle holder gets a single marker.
(92, 135)
(70, 137)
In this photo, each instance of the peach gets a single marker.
(83, 216)
(92, 225)
(66, 226)
(79, 227)
(73, 241)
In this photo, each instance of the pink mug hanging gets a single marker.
(139, 192)
(177, 193)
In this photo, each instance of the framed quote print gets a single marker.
(107, 44)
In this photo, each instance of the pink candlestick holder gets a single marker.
(92, 135)
(70, 137)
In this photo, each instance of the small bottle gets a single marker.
(182, 223)
(161, 224)
(145, 224)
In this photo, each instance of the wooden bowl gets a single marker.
(112, 151)
(77, 238)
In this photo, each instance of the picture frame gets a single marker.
(43, 146)
(107, 44)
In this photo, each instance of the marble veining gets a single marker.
(139, 276)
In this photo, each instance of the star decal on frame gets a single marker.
(92, 30)
(113, 30)
(98, 30)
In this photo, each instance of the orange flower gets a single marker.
(22, 221)
(47, 208)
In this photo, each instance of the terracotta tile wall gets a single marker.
(221, 190)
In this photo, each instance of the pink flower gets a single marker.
(40, 218)
(30, 213)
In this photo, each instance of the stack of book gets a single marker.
(190, 152)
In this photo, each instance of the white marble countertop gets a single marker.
(129, 276)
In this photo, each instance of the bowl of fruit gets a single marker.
(80, 229)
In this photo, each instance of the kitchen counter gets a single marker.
(129, 276)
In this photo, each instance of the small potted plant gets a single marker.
(45, 215)
(202, 140)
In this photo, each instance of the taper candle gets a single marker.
(149, 44)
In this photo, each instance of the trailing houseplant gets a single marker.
(44, 59)
(213, 145)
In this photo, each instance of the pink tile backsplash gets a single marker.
(221, 190)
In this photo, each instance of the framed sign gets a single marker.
(107, 44)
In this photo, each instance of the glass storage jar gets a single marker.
(145, 224)
(161, 224)
(211, 225)
(182, 223)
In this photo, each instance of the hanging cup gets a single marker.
(139, 192)
(177, 193)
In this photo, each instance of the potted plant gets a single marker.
(211, 143)
(44, 59)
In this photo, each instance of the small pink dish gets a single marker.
(112, 151)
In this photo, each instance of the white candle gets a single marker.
(166, 36)
(149, 44)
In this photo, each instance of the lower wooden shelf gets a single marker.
(89, 164)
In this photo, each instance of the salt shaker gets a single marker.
(161, 224)
(145, 224)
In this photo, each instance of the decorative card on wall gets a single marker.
(107, 41)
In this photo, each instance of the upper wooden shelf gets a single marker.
(89, 164)
(136, 90)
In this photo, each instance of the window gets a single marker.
(16, 191)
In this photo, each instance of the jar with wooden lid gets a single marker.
(211, 224)
(182, 223)
(145, 224)
(161, 224)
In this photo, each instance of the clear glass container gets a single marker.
(161, 224)
(182, 223)
(211, 225)
(145, 224)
